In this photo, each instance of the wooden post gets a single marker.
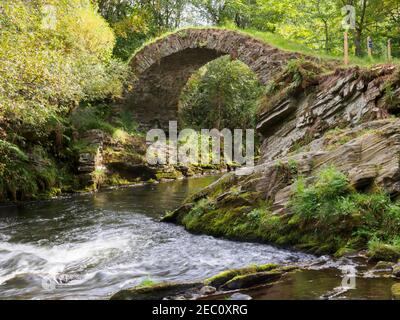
(369, 46)
(346, 48)
(389, 50)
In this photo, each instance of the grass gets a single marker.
(288, 45)
(280, 42)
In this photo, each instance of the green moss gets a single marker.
(146, 283)
(396, 291)
(225, 276)
(338, 137)
(379, 251)
(116, 180)
(83, 146)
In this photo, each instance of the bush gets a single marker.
(47, 69)
(330, 207)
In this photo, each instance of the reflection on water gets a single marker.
(89, 247)
(325, 284)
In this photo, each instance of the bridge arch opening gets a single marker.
(224, 93)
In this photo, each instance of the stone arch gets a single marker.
(161, 69)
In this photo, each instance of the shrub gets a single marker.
(331, 207)
(47, 70)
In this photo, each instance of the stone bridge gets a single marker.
(162, 68)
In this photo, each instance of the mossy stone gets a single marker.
(225, 276)
(156, 291)
(385, 253)
(396, 291)
(252, 280)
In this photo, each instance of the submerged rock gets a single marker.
(236, 279)
(396, 270)
(240, 297)
(207, 290)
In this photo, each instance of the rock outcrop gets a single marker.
(347, 122)
(344, 99)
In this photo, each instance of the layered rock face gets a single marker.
(370, 158)
(346, 123)
(344, 99)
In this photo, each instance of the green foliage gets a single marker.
(134, 22)
(23, 176)
(145, 283)
(316, 201)
(313, 23)
(331, 206)
(92, 117)
(223, 94)
(297, 76)
(52, 58)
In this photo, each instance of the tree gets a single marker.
(223, 94)
(48, 69)
(369, 13)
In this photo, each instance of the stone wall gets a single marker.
(162, 68)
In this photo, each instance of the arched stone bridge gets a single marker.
(162, 68)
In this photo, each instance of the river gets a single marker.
(90, 246)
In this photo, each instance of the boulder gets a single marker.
(396, 270)
(385, 253)
(384, 266)
(396, 291)
(207, 290)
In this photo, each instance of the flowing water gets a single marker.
(91, 246)
(88, 247)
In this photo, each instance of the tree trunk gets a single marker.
(358, 43)
(327, 44)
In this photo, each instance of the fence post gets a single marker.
(369, 45)
(346, 48)
(389, 50)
